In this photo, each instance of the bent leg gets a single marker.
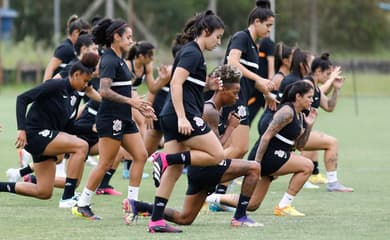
(322, 141)
(191, 208)
(301, 169)
(43, 189)
(239, 142)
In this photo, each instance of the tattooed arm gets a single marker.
(281, 118)
(302, 139)
(328, 104)
(136, 102)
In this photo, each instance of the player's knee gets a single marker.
(254, 169)
(185, 220)
(253, 206)
(44, 194)
(308, 166)
(331, 142)
(218, 157)
(82, 147)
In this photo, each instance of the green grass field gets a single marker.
(363, 164)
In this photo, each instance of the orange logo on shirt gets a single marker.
(262, 54)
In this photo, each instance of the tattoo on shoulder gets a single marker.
(281, 118)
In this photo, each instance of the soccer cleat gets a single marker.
(217, 207)
(13, 175)
(338, 187)
(68, 203)
(130, 211)
(161, 227)
(245, 221)
(287, 211)
(24, 157)
(85, 212)
(309, 185)
(159, 166)
(318, 179)
(109, 190)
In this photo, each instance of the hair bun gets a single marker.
(325, 56)
(209, 12)
(263, 3)
(90, 60)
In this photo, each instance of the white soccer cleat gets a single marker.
(13, 175)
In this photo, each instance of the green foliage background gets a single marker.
(348, 25)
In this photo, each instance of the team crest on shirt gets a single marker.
(73, 100)
(117, 125)
(281, 154)
(241, 111)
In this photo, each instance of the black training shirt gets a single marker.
(190, 58)
(249, 59)
(115, 68)
(66, 53)
(52, 106)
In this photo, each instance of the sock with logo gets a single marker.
(70, 186)
(132, 192)
(331, 176)
(107, 178)
(242, 205)
(7, 187)
(158, 208)
(286, 200)
(221, 189)
(85, 198)
(179, 158)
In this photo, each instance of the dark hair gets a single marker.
(228, 74)
(322, 62)
(103, 32)
(96, 19)
(300, 87)
(260, 13)
(299, 57)
(263, 4)
(282, 51)
(206, 20)
(83, 40)
(76, 23)
(86, 64)
(176, 46)
(143, 47)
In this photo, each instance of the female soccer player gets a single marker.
(46, 131)
(114, 124)
(188, 140)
